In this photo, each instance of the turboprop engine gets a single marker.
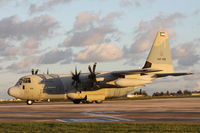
(123, 82)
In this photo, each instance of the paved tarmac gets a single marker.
(178, 110)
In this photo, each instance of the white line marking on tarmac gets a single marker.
(108, 116)
(87, 120)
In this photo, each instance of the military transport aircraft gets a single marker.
(96, 87)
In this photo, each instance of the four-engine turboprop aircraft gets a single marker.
(96, 87)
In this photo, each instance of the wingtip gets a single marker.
(190, 73)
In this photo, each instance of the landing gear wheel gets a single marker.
(98, 101)
(76, 101)
(29, 102)
(87, 102)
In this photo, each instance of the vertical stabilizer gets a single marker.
(160, 54)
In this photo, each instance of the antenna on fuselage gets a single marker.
(34, 72)
(47, 71)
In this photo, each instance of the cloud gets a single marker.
(2, 43)
(196, 12)
(31, 44)
(28, 62)
(146, 31)
(46, 5)
(89, 37)
(56, 56)
(38, 27)
(102, 52)
(197, 87)
(30, 47)
(10, 51)
(186, 53)
(128, 3)
(2, 1)
(90, 28)
(135, 3)
(25, 63)
(22, 38)
(7, 50)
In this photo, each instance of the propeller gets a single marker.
(76, 78)
(92, 75)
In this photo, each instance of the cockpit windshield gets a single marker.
(23, 80)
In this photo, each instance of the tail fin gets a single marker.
(159, 57)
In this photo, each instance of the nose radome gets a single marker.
(14, 91)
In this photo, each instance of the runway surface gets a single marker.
(180, 110)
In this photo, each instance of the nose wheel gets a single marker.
(29, 102)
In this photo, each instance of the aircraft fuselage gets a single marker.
(44, 86)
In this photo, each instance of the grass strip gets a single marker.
(103, 127)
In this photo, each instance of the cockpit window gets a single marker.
(23, 80)
(26, 80)
(19, 82)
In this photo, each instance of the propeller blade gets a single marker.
(72, 74)
(75, 70)
(92, 75)
(79, 73)
(90, 69)
(94, 67)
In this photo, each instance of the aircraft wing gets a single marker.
(138, 71)
(160, 75)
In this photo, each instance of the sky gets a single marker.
(60, 34)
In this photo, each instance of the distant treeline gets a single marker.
(167, 93)
(178, 93)
(140, 92)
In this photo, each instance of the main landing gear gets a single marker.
(29, 102)
(78, 101)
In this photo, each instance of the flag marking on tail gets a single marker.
(162, 34)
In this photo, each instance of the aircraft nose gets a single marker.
(14, 91)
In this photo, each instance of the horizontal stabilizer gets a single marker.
(160, 75)
(130, 72)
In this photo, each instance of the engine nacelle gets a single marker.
(123, 82)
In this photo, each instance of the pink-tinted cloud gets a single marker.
(146, 31)
(102, 52)
(46, 5)
(135, 3)
(90, 29)
(128, 3)
(89, 37)
(24, 64)
(38, 27)
(187, 54)
(31, 44)
(56, 56)
(8, 51)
